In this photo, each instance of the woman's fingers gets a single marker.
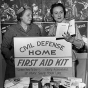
(67, 36)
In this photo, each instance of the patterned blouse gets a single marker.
(78, 41)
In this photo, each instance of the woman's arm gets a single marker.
(6, 44)
(77, 40)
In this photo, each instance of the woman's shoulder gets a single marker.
(10, 30)
(34, 25)
(13, 26)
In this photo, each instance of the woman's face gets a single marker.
(27, 17)
(58, 14)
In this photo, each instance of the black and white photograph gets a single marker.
(43, 43)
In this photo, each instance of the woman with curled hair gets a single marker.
(23, 28)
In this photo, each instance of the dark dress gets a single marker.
(7, 47)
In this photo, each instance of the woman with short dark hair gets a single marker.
(56, 5)
(58, 14)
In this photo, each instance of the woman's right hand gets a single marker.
(68, 37)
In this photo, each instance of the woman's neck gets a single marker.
(24, 26)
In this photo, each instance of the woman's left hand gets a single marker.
(68, 37)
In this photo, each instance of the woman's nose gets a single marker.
(30, 17)
(59, 14)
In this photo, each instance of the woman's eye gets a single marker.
(29, 15)
(56, 13)
(61, 12)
